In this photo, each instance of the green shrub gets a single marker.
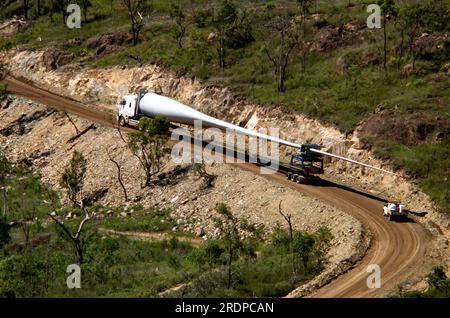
(427, 163)
(5, 43)
(438, 286)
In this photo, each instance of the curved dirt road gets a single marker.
(398, 248)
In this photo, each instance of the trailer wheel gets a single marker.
(121, 121)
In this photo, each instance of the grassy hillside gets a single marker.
(336, 71)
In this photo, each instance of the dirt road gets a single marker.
(398, 248)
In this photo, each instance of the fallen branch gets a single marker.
(81, 133)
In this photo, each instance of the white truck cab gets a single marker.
(394, 210)
(127, 109)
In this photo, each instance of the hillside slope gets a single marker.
(335, 72)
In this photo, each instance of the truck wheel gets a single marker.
(294, 177)
(391, 217)
(300, 179)
(121, 121)
(289, 176)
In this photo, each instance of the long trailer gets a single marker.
(305, 165)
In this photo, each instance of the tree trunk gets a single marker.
(222, 53)
(280, 79)
(25, 9)
(79, 249)
(304, 40)
(400, 57)
(85, 12)
(5, 201)
(26, 233)
(135, 34)
(181, 36)
(148, 178)
(280, 67)
(119, 177)
(385, 44)
(64, 16)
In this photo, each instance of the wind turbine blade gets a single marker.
(350, 160)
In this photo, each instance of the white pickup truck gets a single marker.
(395, 211)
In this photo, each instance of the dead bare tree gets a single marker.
(26, 4)
(72, 180)
(76, 237)
(119, 175)
(135, 10)
(72, 122)
(279, 51)
(5, 168)
(304, 6)
(181, 23)
(287, 218)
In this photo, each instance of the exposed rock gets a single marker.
(408, 70)
(64, 58)
(371, 58)
(49, 60)
(211, 37)
(406, 128)
(200, 232)
(13, 26)
(74, 42)
(334, 37)
(52, 60)
(341, 66)
(109, 42)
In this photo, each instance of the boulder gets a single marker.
(49, 59)
(201, 232)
